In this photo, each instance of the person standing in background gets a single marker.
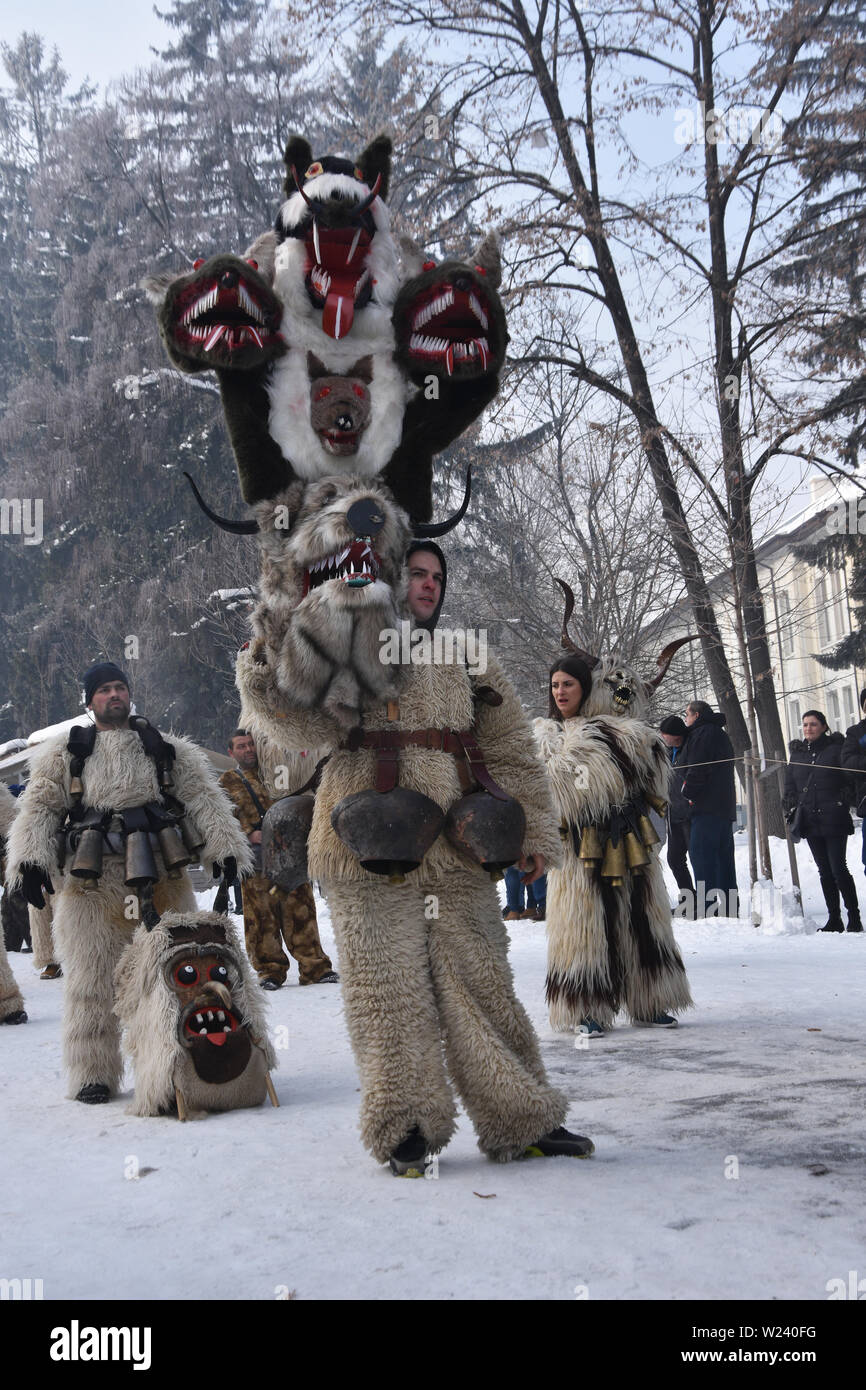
(679, 822)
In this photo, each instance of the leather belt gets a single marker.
(460, 743)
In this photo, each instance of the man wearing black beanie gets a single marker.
(110, 686)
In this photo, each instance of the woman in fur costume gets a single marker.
(610, 936)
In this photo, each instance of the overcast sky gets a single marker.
(99, 39)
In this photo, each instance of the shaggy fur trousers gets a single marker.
(10, 995)
(91, 932)
(42, 936)
(428, 994)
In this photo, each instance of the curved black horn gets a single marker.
(666, 657)
(299, 188)
(570, 646)
(370, 198)
(426, 530)
(238, 528)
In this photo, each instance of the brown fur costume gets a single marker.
(609, 948)
(427, 960)
(92, 927)
(160, 1017)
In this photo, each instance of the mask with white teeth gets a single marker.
(616, 687)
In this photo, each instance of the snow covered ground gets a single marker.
(729, 1154)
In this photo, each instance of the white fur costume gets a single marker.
(10, 995)
(152, 1012)
(609, 947)
(92, 927)
(418, 969)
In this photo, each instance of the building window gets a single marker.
(833, 704)
(823, 612)
(848, 698)
(794, 727)
(786, 633)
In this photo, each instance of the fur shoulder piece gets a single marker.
(598, 764)
(7, 809)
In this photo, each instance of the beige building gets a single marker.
(807, 614)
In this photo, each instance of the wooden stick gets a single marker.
(271, 1092)
(181, 1108)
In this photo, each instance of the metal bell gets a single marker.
(390, 832)
(487, 829)
(614, 864)
(285, 830)
(590, 843)
(140, 864)
(635, 855)
(647, 831)
(87, 863)
(171, 847)
(658, 803)
(192, 838)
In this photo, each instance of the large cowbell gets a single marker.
(390, 832)
(285, 829)
(488, 829)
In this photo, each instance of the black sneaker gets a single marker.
(560, 1143)
(19, 1016)
(271, 984)
(94, 1094)
(407, 1160)
(330, 977)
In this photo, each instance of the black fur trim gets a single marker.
(620, 757)
(652, 956)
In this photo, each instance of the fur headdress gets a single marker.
(194, 1021)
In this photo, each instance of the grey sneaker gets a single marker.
(591, 1028)
(660, 1021)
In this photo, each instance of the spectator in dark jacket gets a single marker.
(816, 781)
(674, 732)
(707, 762)
(854, 758)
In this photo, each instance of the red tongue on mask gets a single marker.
(217, 1038)
(336, 250)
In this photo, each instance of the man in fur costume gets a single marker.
(610, 937)
(113, 783)
(423, 958)
(11, 1004)
(271, 915)
(193, 1022)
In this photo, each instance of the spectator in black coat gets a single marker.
(707, 762)
(854, 758)
(674, 732)
(816, 781)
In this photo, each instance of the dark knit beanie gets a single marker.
(100, 674)
(673, 725)
(862, 696)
